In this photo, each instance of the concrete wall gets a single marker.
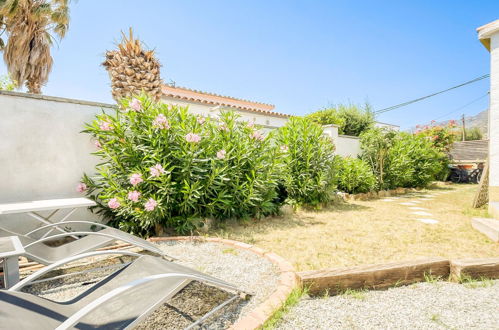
(347, 146)
(42, 152)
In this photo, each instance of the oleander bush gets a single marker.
(400, 159)
(355, 176)
(413, 161)
(309, 172)
(161, 165)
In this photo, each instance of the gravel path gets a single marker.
(249, 272)
(440, 305)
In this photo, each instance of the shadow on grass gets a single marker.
(339, 207)
(282, 222)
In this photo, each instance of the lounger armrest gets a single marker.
(33, 277)
(132, 241)
(76, 317)
(48, 238)
(57, 224)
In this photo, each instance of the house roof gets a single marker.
(486, 31)
(192, 95)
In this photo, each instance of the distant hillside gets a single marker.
(479, 120)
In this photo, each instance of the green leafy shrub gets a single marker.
(473, 133)
(401, 159)
(309, 174)
(375, 145)
(327, 117)
(355, 176)
(164, 166)
(357, 119)
(351, 119)
(413, 161)
(6, 84)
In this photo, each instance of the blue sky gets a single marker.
(298, 55)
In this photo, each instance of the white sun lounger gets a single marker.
(119, 301)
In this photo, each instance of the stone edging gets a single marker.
(287, 280)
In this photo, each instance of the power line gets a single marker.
(463, 106)
(431, 95)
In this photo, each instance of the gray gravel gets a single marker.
(440, 305)
(249, 272)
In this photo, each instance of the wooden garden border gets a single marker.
(382, 276)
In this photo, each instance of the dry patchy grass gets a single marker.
(367, 232)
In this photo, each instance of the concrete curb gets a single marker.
(287, 280)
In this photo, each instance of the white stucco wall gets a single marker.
(267, 122)
(347, 146)
(42, 152)
(494, 112)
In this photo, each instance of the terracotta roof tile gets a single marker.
(187, 94)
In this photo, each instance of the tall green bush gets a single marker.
(309, 174)
(401, 159)
(413, 161)
(328, 116)
(355, 176)
(375, 145)
(357, 119)
(161, 165)
(351, 119)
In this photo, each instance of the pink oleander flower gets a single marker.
(221, 154)
(113, 203)
(156, 170)
(150, 205)
(191, 137)
(222, 127)
(135, 179)
(134, 196)
(251, 124)
(161, 122)
(105, 126)
(284, 148)
(257, 136)
(81, 187)
(201, 120)
(135, 105)
(97, 144)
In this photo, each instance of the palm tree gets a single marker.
(133, 69)
(28, 25)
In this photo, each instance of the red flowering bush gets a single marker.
(440, 136)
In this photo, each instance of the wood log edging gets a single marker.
(382, 276)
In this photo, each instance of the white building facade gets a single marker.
(489, 36)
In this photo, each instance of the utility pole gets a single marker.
(464, 128)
